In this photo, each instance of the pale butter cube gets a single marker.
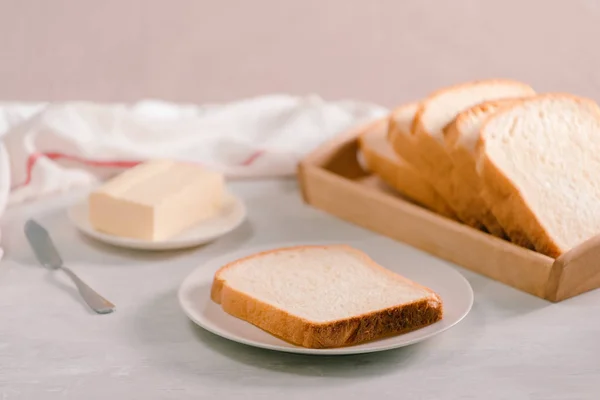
(156, 200)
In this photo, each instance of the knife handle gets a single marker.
(96, 302)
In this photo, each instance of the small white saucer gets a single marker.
(453, 288)
(230, 217)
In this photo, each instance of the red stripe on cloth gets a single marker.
(94, 163)
(32, 160)
(253, 157)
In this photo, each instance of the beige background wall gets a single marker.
(383, 51)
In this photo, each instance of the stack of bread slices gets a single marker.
(499, 157)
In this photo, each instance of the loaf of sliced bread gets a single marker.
(323, 296)
(461, 138)
(539, 159)
(400, 175)
(433, 115)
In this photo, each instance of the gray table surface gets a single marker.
(511, 345)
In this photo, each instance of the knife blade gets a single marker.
(47, 255)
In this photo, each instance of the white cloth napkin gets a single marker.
(50, 148)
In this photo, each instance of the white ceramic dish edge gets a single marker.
(232, 216)
(190, 307)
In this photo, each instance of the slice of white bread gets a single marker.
(461, 138)
(405, 147)
(323, 296)
(399, 132)
(540, 160)
(400, 175)
(434, 113)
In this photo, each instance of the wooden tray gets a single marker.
(333, 180)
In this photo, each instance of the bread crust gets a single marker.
(344, 332)
(507, 204)
(418, 127)
(469, 196)
(405, 146)
(467, 181)
(411, 148)
(510, 206)
(401, 176)
(437, 165)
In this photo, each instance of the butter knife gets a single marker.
(48, 256)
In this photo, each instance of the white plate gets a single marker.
(230, 217)
(455, 291)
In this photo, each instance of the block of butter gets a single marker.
(156, 200)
